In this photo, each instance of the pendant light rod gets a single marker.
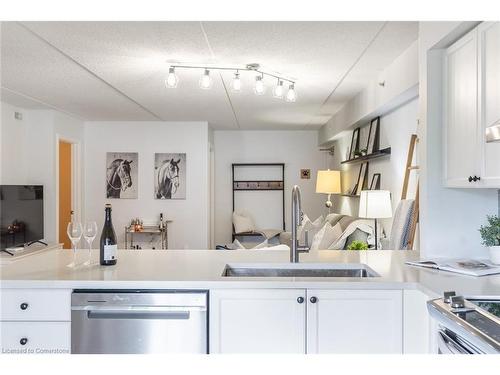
(245, 68)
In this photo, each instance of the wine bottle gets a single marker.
(108, 245)
(162, 225)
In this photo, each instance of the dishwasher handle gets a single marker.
(144, 314)
(448, 345)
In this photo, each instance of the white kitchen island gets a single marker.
(384, 314)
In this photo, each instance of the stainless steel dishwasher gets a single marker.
(139, 322)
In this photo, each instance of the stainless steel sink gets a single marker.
(299, 270)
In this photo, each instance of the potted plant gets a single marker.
(357, 245)
(490, 235)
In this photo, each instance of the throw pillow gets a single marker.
(262, 245)
(242, 223)
(312, 227)
(326, 236)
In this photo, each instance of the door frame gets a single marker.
(76, 178)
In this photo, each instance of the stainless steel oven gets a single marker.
(138, 322)
(466, 326)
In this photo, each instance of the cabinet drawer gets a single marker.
(36, 337)
(35, 304)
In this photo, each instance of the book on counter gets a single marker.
(469, 267)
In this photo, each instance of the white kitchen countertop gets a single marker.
(202, 269)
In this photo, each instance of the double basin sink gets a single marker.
(356, 270)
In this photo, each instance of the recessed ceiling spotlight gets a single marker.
(291, 95)
(172, 79)
(236, 82)
(278, 90)
(260, 88)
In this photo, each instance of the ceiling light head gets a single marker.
(236, 82)
(278, 90)
(291, 95)
(172, 79)
(206, 80)
(253, 66)
(260, 88)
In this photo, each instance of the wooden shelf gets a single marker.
(348, 195)
(258, 185)
(374, 155)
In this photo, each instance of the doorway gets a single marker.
(65, 191)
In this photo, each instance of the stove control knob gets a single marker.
(447, 296)
(457, 302)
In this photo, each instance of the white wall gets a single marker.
(13, 145)
(396, 128)
(190, 229)
(450, 218)
(28, 153)
(400, 84)
(297, 149)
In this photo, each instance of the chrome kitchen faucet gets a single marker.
(297, 216)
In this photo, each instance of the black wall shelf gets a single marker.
(374, 155)
(349, 195)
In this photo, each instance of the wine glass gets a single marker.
(74, 232)
(90, 233)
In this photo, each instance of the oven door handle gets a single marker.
(144, 314)
(451, 344)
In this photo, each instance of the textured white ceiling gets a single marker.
(116, 70)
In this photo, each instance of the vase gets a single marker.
(494, 254)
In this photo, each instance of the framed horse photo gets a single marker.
(121, 175)
(170, 176)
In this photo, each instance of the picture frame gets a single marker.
(362, 182)
(305, 174)
(122, 171)
(354, 144)
(375, 183)
(354, 189)
(373, 142)
(170, 170)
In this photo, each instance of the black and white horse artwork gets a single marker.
(167, 179)
(118, 177)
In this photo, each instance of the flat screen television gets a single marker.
(21, 215)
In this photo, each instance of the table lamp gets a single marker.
(375, 204)
(328, 182)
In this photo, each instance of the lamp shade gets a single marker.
(375, 204)
(328, 182)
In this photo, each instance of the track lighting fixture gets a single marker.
(260, 88)
(291, 95)
(236, 82)
(278, 90)
(206, 81)
(172, 79)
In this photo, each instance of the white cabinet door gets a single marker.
(35, 304)
(354, 321)
(257, 321)
(489, 99)
(36, 337)
(417, 336)
(461, 130)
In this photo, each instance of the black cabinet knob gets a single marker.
(300, 299)
(477, 178)
(23, 306)
(313, 299)
(470, 179)
(23, 341)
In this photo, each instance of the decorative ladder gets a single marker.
(404, 192)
